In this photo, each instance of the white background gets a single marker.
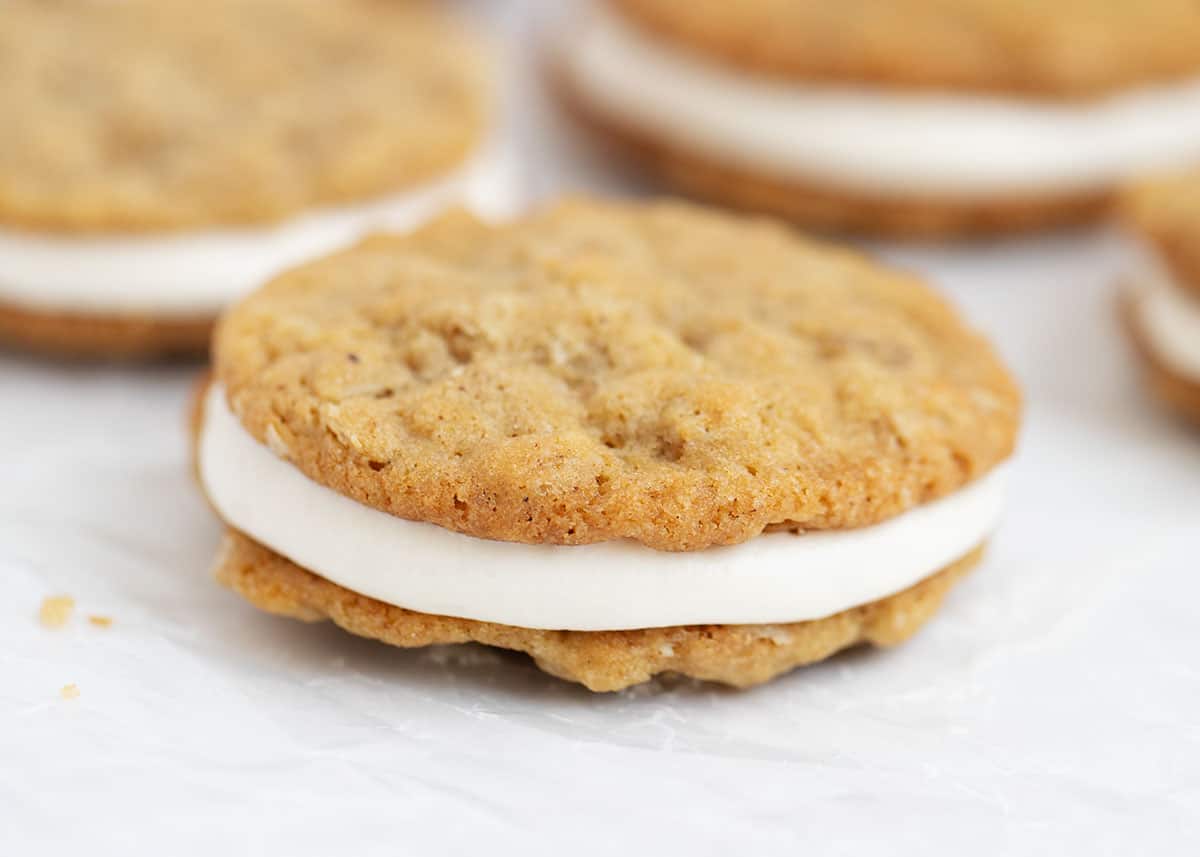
(1051, 708)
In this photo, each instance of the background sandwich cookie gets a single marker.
(911, 117)
(622, 438)
(1161, 300)
(159, 163)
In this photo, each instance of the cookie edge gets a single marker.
(812, 204)
(80, 336)
(737, 655)
(1179, 394)
(761, 56)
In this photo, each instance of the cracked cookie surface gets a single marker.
(655, 371)
(147, 115)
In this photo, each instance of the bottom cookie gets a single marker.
(829, 208)
(1180, 394)
(738, 655)
(102, 337)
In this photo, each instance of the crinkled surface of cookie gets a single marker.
(1064, 48)
(158, 115)
(595, 371)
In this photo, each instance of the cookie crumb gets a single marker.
(69, 691)
(100, 621)
(56, 611)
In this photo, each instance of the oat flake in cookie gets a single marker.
(624, 438)
(1161, 296)
(908, 117)
(158, 163)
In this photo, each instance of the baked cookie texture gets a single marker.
(1164, 211)
(100, 337)
(146, 116)
(596, 371)
(738, 655)
(1064, 49)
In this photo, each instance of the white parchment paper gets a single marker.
(1051, 708)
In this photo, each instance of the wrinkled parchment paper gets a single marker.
(1051, 708)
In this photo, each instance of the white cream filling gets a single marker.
(875, 140)
(1169, 316)
(200, 272)
(776, 577)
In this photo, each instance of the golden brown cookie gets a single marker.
(607, 385)
(730, 102)
(144, 116)
(823, 206)
(143, 123)
(1063, 49)
(737, 655)
(1160, 300)
(603, 371)
(1164, 212)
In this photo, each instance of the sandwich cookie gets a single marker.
(159, 163)
(906, 117)
(623, 438)
(1161, 300)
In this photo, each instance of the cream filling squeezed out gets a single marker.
(772, 578)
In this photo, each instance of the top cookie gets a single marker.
(155, 115)
(599, 371)
(1165, 212)
(1056, 48)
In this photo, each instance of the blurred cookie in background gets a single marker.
(905, 117)
(1161, 301)
(158, 161)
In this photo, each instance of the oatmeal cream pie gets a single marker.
(1161, 298)
(624, 438)
(157, 162)
(909, 117)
